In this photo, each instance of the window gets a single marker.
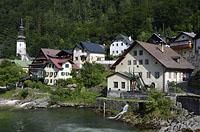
(140, 74)
(141, 52)
(62, 73)
(55, 74)
(157, 75)
(47, 74)
(129, 62)
(123, 85)
(67, 73)
(135, 52)
(121, 44)
(113, 52)
(117, 51)
(117, 44)
(121, 63)
(112, 44)
(76, 58)
(148, 74)
(169, 74)
(134, 62)
(46, 81)
(146, 62)
(115, 84)
(51, 74)
(66, 65)
(140, 62)
(50, 80)
(175, 75)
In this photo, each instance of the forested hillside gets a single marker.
(63, 23)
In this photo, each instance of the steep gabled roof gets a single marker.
(189, 34)
(58, 62)
(156, 39)
(91, 47)
(166, 58)
(49, 52)
(125, 74)
(123, 38)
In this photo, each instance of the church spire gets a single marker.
(21, 30)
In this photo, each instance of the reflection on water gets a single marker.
(58, 120)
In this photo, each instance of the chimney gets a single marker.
(130, 39)
(162, 47)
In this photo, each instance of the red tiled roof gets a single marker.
(49, 52)
(58, 62)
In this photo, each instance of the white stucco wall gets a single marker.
(173, 76)
(90, 57)
(118, 78)
(153, 66)
(57, 73)
(118, 47)
(21, 48)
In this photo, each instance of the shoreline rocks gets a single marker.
(40, 103)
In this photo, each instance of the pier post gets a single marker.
(104, 109)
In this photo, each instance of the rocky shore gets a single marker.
(187, 122)
(38, 103)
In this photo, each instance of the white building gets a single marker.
(147, 64)
(88, 52)
(120, 43)
(21, 44)
(57, 69)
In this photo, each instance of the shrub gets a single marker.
(23, 93)
(158, 104)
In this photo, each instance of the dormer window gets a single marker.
(176, 58)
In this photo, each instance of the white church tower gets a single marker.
(21, 43)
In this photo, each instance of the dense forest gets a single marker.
(63, 23)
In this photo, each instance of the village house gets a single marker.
(88, 52)
(184, 44)
(144, 64)
(157, 39)
(120, 44)
(56, 69)
(40, 61)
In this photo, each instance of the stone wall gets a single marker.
(190, 103)
(112, 104)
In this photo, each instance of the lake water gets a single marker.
(58, 120)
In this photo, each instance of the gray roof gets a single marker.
(191, 34)
(125, 74)
(123, 38)
(166, 58)
(156, 39)
(91, 47)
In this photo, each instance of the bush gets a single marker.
(158, 104)
(23, 93)
(38, 85)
